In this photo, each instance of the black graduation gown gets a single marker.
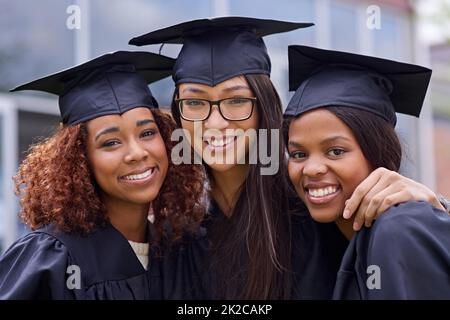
(181, 268)
(410, 243)
(36, 267)
(317, 251)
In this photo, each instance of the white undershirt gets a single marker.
(141, 251)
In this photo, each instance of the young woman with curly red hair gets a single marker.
(87, 191)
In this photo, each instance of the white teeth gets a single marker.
(139, 176)
(219, 142)
(322, 192)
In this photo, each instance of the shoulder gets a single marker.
(39, 240)
(409, 216)
(34, 267)
(410, 245)
(408, 225)
(37, 249)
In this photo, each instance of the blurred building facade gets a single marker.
(440, 100)
(39, 42)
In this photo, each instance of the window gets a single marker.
(114, 22)
(288, 10)
(385, 40)
(344, 33)
(35, 40)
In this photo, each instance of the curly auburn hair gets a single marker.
(56, 186)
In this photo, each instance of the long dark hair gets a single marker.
(376, 137)
(251, 251)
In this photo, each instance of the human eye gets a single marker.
(110, 143)
(194, 102)
(297, 155)
(237, 101)
(148, 133)
(335, 152)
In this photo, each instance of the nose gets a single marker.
(136, 152)
(314, 167)
(215, 120)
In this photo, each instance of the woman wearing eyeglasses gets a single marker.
(223, 95)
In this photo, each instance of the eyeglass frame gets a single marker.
(215, 103)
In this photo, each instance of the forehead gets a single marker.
(127, 118)
(318, 123)
(236, 83)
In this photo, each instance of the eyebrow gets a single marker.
(229, 89)
(116, 129)
(334, 138)
(327, 140)
(106, 131)
(144, 122)
(193, 90)
(235, 88)
(294, 144)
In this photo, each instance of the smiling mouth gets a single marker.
(322, 192)
(140, 176)
(322, 195)
(219, 143)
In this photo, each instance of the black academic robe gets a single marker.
(405, 255)
(181, 267)
(43, 264)
(317, 251)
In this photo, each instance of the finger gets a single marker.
(361, 212)
(400, 191)
(359, 193)
(378, 203)
(386, 181)
(393, 199)
(391, 190)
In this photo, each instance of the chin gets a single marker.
(145, 197)
(221, 167)
(325, 215)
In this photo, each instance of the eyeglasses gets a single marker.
(233, 109)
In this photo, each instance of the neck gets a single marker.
(346, 227)
(225, 186)
(129, 219)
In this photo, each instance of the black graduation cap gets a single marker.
(109, 84)
(217, 49)
(324, 78)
